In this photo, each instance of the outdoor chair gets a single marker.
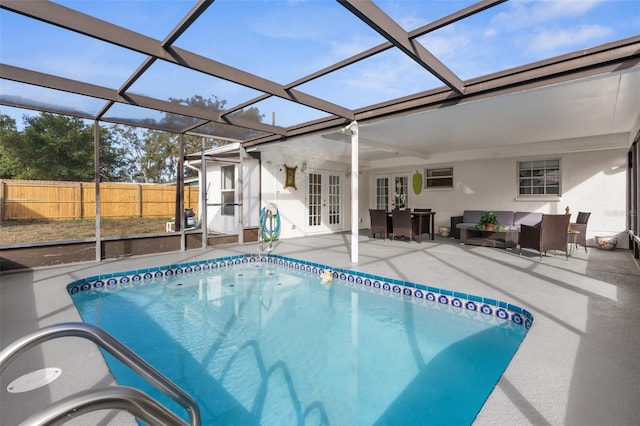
(378, 223)
(426, 220)
(403, 224)
(550, 235)
(580, 225)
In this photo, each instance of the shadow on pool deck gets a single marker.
(441, 393)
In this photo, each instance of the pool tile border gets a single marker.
(418, 292)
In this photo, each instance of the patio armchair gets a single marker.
(403, 224)
(378, 223)
(550, 235)
(580, 225)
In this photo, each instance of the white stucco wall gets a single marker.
(292, 203)
(592, 181)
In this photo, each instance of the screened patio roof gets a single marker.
(423, 79)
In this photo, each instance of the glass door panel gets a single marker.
(401, 192)
(314, 199)
(324, 201)
(382, 193)
(335, 200)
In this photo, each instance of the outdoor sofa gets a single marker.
(508, 237)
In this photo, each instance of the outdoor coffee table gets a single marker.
(501, 239)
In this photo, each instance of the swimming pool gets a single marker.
(259, 339)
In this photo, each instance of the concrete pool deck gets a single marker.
(578, 365)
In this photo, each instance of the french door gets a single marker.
(392, 192)
(324, 201)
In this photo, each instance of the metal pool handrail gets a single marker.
(111, 345)
(138, 403)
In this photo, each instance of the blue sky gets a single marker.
(285, 40)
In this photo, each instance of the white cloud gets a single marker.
(552, 39)
(490, 32)
(445, 46)
(411, 22)
(546, 10)
(448, 41)
(341, 49)
(529, 13)
(380, 76)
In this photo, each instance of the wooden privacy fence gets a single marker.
(23, 199)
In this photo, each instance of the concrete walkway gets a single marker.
(578, 365)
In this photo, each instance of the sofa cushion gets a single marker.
(527, 218)
(505, 218)
(471, 216)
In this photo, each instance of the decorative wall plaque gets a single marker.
(290, 176)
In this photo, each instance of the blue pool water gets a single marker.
(260, 343)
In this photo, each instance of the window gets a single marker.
(438, 178)
(228, 192)
(540, 177)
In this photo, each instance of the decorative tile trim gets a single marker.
(419, 293)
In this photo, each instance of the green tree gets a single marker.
(57, 147)
(114, 166)
(155, 153)
(9, 136)
(131, 141)
(151, 154)
(213, 128)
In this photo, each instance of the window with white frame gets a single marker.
(540, 177)
(438, 178)
(228, 190)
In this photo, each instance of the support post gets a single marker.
(203, 197)
(180, 194)
(139, 200)
(78, 214)
(355, 213)
(96, 177)
(240, 192)
(3, 198)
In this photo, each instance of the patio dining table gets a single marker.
(420, 215)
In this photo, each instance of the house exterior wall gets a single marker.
(592, 181)
(292, 202)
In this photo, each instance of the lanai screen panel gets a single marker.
(167, 81)
(281, 41)
(50, 100)
(281, 53)
(517, 33)
(227, 131)
(144, 17)
(63, 53)
(387, 75)
(414, 14)
(148, 118)
(281, 112)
